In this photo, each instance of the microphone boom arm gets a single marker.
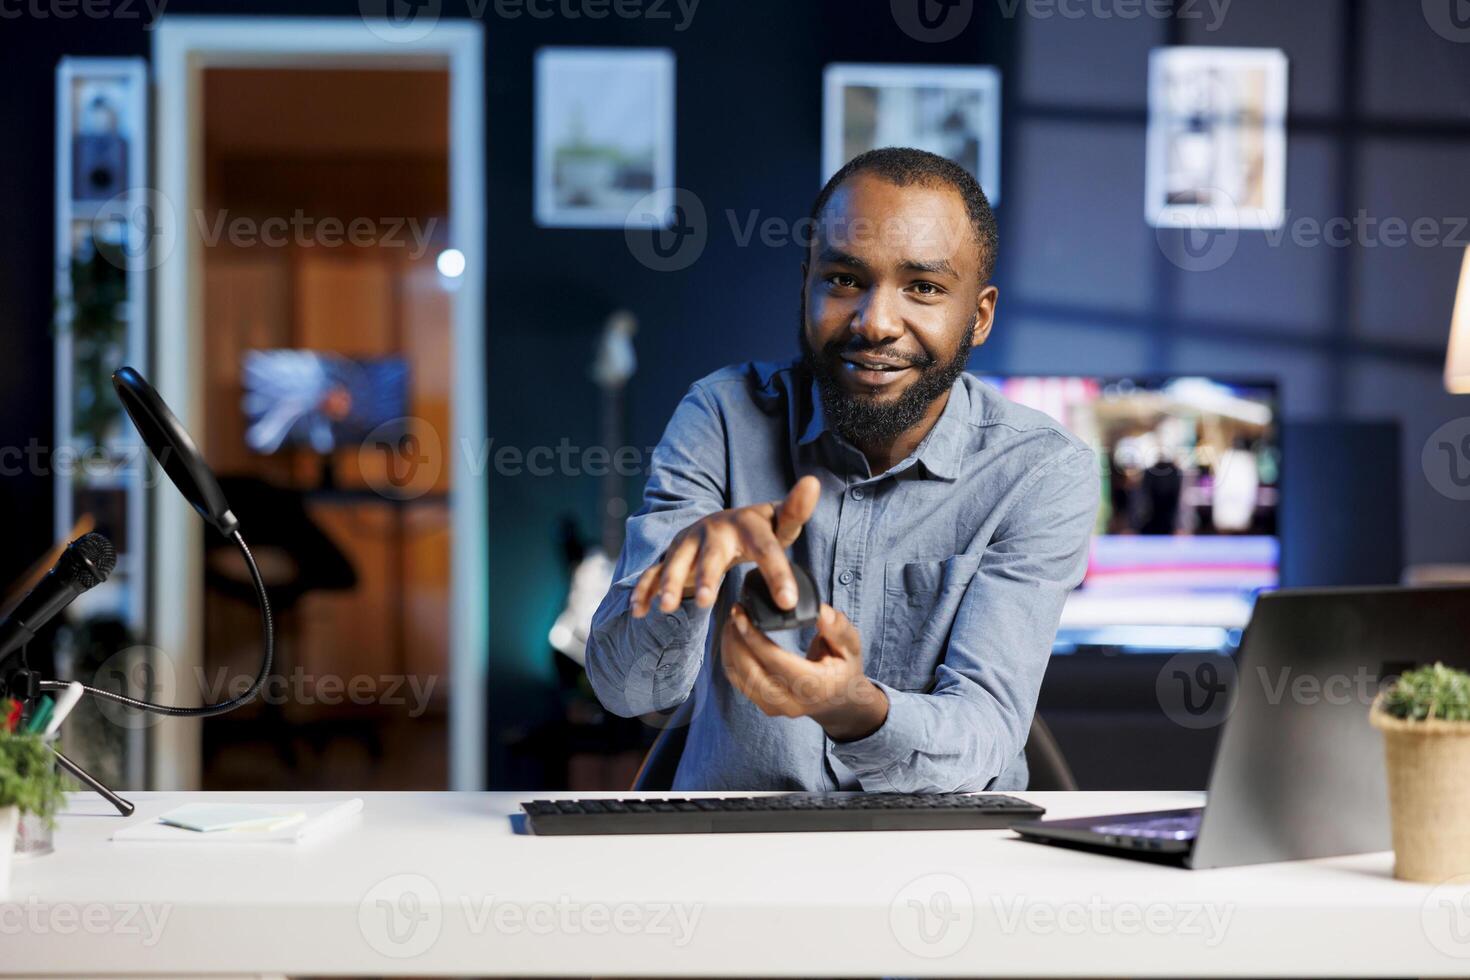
(268, 634)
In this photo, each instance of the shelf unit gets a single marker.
(104, 251)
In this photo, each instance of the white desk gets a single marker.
(469, 896)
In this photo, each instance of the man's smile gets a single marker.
(871, 371)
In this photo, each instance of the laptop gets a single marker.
(1299, 771)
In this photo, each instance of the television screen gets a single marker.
(1187, 534)
(317, 400)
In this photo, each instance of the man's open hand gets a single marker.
(703, 552)
(829, 686)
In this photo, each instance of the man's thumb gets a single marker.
(797, 508)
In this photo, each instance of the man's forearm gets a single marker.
(932, 743)
(641, 665)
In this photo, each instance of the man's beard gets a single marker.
(863, 419)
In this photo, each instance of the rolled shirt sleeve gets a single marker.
(963, 733)
(637, 666)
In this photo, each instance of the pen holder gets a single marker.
(33, 833)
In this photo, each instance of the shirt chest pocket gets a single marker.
(920, 602)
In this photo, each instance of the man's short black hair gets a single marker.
(904, 166)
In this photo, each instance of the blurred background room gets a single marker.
(426, 280)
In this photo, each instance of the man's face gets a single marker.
(891, 304)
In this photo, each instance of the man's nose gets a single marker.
(877, 320)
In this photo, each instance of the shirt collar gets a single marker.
(941, 451)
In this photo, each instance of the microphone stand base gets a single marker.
(123, 806)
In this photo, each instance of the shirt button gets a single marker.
(857, 493)
(846, 577)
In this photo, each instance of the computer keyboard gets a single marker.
(1184, 826)
(779, 813)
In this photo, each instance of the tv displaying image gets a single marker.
(319, 401)
(1187, 533)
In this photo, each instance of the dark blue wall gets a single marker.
(1380, 120)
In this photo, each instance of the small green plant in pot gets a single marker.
(1425, 720)
(29, 783)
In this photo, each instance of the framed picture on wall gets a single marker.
(1216, 138)
(953, 111)
(604, 137)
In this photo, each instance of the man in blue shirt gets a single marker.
(943, 525)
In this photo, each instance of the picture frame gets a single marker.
(1216, 155)
(951, 110)
(604, 137)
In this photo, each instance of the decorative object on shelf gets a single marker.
(100, 146)
(1216, 138)
(951, 110)
(604, 137)
(1425, 720)
(95, 315)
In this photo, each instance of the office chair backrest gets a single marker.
(1049, 769)
(657, 771)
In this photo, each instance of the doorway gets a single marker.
(327, 257)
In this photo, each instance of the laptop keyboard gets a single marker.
(1184, 827)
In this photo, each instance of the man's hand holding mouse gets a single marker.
(829, 686)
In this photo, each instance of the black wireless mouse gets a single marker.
(768, 617)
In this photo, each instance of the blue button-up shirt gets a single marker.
(954, 565)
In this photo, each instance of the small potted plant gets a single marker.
(29, 783)
(1425, 720)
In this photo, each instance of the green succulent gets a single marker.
(1437, 692)
(29, 778)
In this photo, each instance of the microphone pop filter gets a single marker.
(171, 446)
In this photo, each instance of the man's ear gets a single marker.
(985, 314)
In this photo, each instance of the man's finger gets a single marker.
(643, 591)
(760, 546)
(714, 561)
(676, 571)
(743, 669)
(797, 509)
(838, 632)
(780, 664)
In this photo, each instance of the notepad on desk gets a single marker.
(243, 823)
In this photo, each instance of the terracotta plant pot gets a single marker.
(1428, 795)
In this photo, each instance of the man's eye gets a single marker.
(843, 280)
(927, 288)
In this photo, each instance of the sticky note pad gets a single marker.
(209, 818)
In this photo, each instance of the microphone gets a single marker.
(172, 448)
(89, 560)
(85, 564)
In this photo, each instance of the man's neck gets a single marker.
(883, 458)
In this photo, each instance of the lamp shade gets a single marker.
(1457, 361)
